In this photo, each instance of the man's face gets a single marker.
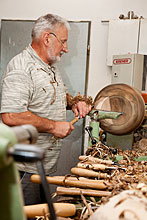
(58, 44)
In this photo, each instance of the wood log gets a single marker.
(77, 191)
(95, 160)
(72, 181)
(88, 173)
(61, 209)
(127, 205)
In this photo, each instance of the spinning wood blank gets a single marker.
(121, 98)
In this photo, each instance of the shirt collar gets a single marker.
(37, 58)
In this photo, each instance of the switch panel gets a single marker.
(128, 69)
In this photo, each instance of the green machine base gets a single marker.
(123, 142)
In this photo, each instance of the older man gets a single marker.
(33, 93)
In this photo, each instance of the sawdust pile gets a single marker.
(135, 176)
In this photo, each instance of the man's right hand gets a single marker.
(62, 129)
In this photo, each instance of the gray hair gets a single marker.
(48, 22)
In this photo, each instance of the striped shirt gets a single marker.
(29, 84)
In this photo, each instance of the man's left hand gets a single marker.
(81, 109)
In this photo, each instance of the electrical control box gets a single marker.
(128, 69)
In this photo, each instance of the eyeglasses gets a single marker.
(62, 43)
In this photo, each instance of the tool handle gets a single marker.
(62, 209)
(95, 160)
(74, 120)
(72, 181)
(91, 166)
(88, 173)
(78, 191)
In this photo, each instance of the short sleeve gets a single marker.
(15, 92)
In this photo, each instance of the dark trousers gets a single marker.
(32, 192)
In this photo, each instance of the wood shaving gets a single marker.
(134, 178)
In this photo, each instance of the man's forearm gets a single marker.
(59, 129)
(16, 119)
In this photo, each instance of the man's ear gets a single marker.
(46, 38)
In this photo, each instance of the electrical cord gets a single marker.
(46, 190)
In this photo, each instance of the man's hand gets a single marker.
(62, 129)
(81, 109)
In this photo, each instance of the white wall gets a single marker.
(92, 10)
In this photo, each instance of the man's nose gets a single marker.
(65, 48)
